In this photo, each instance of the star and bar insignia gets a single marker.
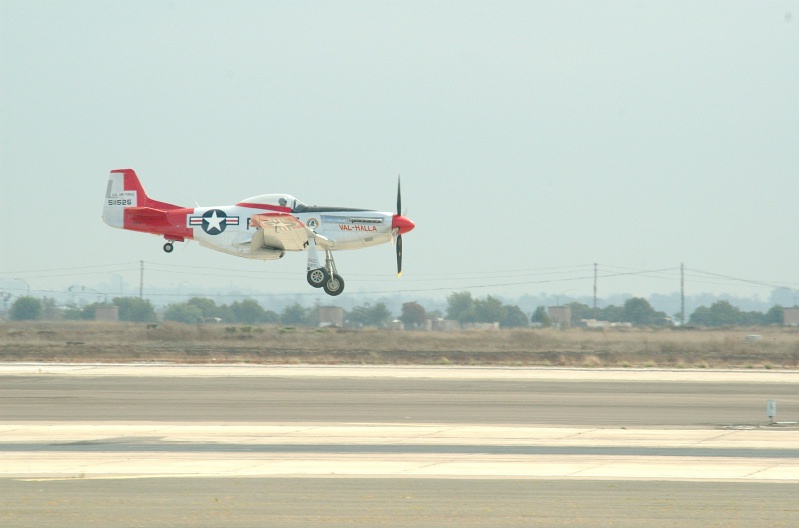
(213, 221)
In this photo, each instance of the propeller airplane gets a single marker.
(262, 227)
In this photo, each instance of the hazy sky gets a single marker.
(533, 139)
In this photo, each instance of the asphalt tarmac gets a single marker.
(281, 395)
(103, 445)
(364, 502)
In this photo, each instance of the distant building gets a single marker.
(561, 316)
(331, 316)
(790, 316)
(594, 324)
(439, 324)
(482, 327)
(107, 313)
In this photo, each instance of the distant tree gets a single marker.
(76, 313)
(541, 316)
(135, 309)
(775, 315)
(87, 313)
(580, 311)
(358, 316)
(380, 315)
(639, 312)
(720, 313)
(225, 313)
(50, 311)
(183, 313)
(460, 307)
(294, 315)
(488, 310)
(272, 317)
(513, 317)
(612, 313)
(72, 313)
(313, 315)
(413, 315)
(207, 307)
(752, 318)
(367, 315)
(248, 312)
(26, 309)
(702, 317)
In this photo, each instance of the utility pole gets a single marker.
(682, 293)
(141, 278)
(595, 266)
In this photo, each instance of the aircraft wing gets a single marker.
(279, 231)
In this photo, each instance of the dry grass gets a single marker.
(640, 348)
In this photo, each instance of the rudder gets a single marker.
(124, 190)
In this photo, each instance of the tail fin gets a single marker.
(124, 191)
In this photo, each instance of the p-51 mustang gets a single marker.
(262, 227)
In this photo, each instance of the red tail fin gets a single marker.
(127, 206)
(132, 183)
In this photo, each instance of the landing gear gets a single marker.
(323, 275)
(334, 285)
(317, 277)
(170, 241)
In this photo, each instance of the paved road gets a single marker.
(383, 400)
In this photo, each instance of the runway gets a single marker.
(461, 395)
(395, 503)
(393, 450)
(466, 446)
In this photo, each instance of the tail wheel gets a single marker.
(334, 285)
(168, 247)
(317, 277)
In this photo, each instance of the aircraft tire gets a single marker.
(317, 277)
(168, 247)
(334, 286)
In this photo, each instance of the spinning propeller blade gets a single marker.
(399, 236)
(399, 225)
(399, 255)
(399, 197)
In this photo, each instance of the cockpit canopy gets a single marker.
(277, 201)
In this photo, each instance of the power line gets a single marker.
(444, 282)
(61, 270)
(768, 284)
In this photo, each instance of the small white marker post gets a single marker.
(771, 409)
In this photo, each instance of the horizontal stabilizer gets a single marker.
(146, 216)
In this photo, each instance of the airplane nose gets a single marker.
(402, 224)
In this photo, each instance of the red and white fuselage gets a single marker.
(260, 227)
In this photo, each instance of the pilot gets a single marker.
(282, 202)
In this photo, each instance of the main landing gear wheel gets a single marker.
(317, 277)
(168, 247)
(334, 285)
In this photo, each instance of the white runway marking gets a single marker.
(103, 450)
(405, 372)
(35, 450)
